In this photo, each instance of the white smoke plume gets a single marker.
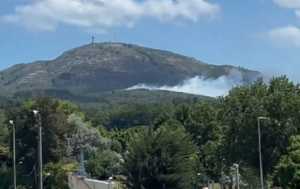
(199, 86)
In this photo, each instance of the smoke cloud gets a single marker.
(200, 86)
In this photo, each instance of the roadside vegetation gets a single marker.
(173, 145)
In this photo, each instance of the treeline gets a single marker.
(167, 145)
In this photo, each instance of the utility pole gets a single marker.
(82, 171)
(69, 149)
(237, 176)
(39, 122)
(259, 151)
(12, 124)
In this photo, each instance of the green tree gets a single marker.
(4, 138)
(84, 136)
(56, 174)
(161, 159)
(287, 171)
(201, 120)
(55, 127)
(104, 164)
(280, 101)
(120, 138)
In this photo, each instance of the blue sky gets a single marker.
(258, 34)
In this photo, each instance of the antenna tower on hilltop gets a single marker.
(93, 40)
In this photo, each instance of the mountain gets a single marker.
(89, 70)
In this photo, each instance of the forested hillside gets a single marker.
(84, 73)
(171, 144)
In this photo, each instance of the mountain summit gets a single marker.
(101, 67)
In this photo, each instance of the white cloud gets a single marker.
(103, 14)
(298, 13)
(289, 35)
(199, 86)
(292, 4)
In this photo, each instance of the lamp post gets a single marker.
(237, 175)
(12, 124)
(82, 171)
(38, 119)
(259, 119)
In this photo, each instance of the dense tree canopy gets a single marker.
(287, 171)
(55, 126)
(168, 145)
(162, 158)
(280, 102)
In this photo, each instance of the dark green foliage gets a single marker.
(165, 144)
(123, 109)
(4, 136)
(280, 101)
(104, 164)
(202, 122)
(5, 175)
(163, 159)
(56, 174)
(55, 127)
(122, 137)
(287, 171)
(136, 115)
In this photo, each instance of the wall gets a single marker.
(78, 182)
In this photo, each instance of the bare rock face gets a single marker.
(101, 67)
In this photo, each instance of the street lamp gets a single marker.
(37, 116)
(259, 119)
(236, 166)
(12, 124)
